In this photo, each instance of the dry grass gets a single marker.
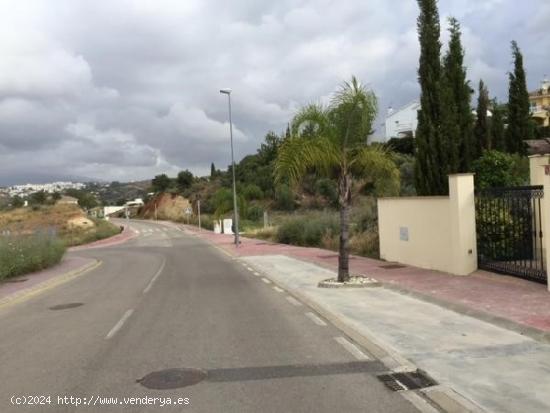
(68, 222)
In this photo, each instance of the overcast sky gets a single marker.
(126, 89)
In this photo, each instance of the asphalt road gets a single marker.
(167, 300)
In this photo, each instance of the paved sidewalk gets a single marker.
(511, 302)
(499, 370)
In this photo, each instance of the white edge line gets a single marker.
(265, 280)
(157, 274)
(316, 319)
(119, 325)
(351, 348)
(278, 289)
(293, 301)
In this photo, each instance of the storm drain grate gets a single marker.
(172, 378)
(407, 380)
(393, 266)
(65, 306)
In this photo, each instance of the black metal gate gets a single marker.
(509, 231)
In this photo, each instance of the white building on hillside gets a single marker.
(402, 123)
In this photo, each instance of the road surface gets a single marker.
(167, 300)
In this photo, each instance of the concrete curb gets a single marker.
(53, 282)
(531, 332)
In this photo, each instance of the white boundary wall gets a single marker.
(436, 233)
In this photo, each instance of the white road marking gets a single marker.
(119, 325)
(316, 319)
(136, 231)
(293, 301)
(249, 269)
(352, 348)
(265, 280)
(278, 289)
(257, 274)
(155, 277)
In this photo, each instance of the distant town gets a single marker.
(28, 189)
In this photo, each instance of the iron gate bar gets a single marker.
(509, 231)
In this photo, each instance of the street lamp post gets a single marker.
(235, 210)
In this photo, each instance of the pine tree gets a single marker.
(212, 170)
(482, 133)
(431, 165)
(519, 117)
(457, 123)
(498, 134)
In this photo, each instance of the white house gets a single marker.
(402, 122)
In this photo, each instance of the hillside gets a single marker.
(168, 206)
(69, 222)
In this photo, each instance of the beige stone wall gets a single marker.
(431, 232)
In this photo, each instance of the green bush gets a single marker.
(23, 254)
(255, 213)
(252, 192)
(284, 198)
(308, 230)
(499, 169)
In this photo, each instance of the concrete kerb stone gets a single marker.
(528, 331)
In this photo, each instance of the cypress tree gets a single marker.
(519, 116)
(498, 134)
(430, 166)
(482, 133)
(458, 124)
(212, 170)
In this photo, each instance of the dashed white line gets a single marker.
(265, 280)
(352, 348)
(278, 289)
(293, 301)
(257, 274)
(119, 325)
(146, 290)
(249, 269)
(316, 319)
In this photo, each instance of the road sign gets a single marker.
(188, 211)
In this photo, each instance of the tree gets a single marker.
(38, 198)
(213, 172)
(498, 133)
(482, 132)
(17, 202)
(404, 145)
(184, 180)
(519, 116)
(335, 147)
(456, 100)
(431, 166)
(161, 183)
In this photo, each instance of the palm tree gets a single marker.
(332, 141)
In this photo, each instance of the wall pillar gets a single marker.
(536, 173)
(463, 223)
(545, 224)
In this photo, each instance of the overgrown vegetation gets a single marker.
(28, 253)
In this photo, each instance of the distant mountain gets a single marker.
(34, 178)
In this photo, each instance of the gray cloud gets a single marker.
(127, 89)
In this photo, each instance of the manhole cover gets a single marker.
(65, 306)
(407, 380)
(172, 378)
(393, 266)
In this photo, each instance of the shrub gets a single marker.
(252, 192)
(284, 198)
(308, 230)
(255, 213)
(499, 169)
(23, 254)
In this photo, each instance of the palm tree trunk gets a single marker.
(345, 206)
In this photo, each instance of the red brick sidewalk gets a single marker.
(521, 302)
